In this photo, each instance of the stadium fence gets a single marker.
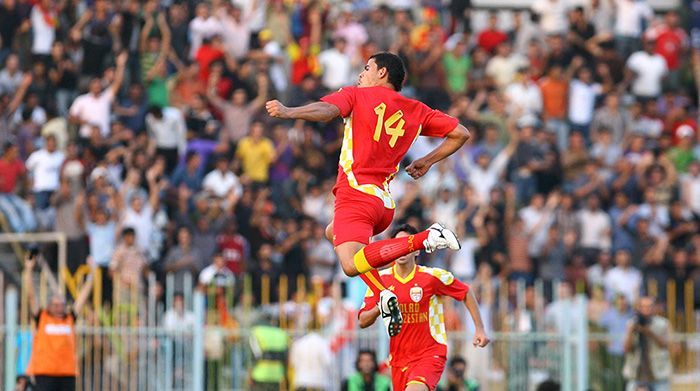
(125, 345)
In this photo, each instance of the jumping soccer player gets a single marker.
(419, 353)
(380, 127)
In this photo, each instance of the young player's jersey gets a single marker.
(380, 127)
(423, 331)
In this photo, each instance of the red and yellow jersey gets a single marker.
(380, 127)
(423, 332)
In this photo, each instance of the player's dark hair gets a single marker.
(395, 68)
(372, 353)
(409, 229)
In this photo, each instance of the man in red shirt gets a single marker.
(490, 37)
(418, 354)
(17, 211)
(671, 41)
(380, 127)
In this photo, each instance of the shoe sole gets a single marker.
(396, 320)
(451, 238)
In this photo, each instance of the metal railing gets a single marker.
(128, 344)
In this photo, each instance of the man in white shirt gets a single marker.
(582, 96)
(503, 66)
(553, 15)
(44, 21)
(646, 70)
(167, 133)
(690, 187)
(310, 357)
(537, 218)
(11, 76)
(44, 166)
(623, 278)
(202, 26)
(523, 95)
(628, 24)
(595, 228)
(336, 65)
(222, 180)
(235, 29)
(486, 173)
(95, 107)
(217, 273)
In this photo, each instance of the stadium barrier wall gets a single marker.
(125, 345)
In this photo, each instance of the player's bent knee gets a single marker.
(329, 232)
(348, 267)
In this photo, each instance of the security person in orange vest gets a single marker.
(54, 361)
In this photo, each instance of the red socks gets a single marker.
(378, 254)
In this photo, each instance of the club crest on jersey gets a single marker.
(416, 294)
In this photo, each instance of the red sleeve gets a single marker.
(370, 302)
(447, 285)
(437, 124)
(21, 169)
(344, 100)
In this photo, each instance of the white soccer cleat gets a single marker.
(390, 311)
(440, 237)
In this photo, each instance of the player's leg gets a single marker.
(329, 231)
(348, 253)
(381, 253)
(399, 377)
(424, 374)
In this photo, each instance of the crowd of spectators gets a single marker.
(135, 127)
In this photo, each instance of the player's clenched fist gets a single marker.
(418, 168)
(480, 339)
(276, 109)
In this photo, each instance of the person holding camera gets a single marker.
(647, 359)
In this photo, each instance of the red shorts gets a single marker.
(358, 216)
(426, 370)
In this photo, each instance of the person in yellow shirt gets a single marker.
(256, 153)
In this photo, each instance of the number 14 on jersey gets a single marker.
(393, 126)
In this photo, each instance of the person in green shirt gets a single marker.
(682, 154)
(456, 380)
(457, 64)
(367, 377)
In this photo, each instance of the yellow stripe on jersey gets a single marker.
(443, 275)
(347, 160)
(404, 280)
(436, 319)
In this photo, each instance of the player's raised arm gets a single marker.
(453, 142)
(315, 112)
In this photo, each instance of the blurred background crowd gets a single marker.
(135, 128)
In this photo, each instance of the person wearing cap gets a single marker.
(645, 71)
(682, 154)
